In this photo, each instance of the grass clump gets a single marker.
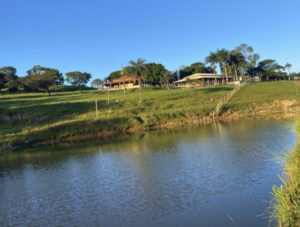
(286, 202)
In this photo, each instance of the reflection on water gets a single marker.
(184, 177)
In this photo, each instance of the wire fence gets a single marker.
(225, 99)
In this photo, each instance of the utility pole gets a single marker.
(123, 79)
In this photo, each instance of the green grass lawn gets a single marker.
(76, 115)
(265, 92)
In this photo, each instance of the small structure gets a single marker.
(119, 83)
(201, 79)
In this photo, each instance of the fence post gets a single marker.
(96, 104)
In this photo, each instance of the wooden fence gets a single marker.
(225, 99)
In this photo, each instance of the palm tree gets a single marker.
(288, 66)
(139, 70)
(223, 58)
(213, 59)
(167, 76)
(237, 59)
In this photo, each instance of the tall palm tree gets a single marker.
(236, 60)
(213, 59)
(139, 70)
(223, 59)
(288, 66)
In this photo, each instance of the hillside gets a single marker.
(34, 117)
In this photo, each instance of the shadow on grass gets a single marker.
(77, 128)
(214, 89)
(56, 112)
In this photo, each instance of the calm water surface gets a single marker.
(204, 176)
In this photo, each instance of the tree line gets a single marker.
(40, 78)
(242, 61)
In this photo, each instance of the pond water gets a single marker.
(214, 175)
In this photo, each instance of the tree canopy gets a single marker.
(40, 70)
(42, 78)
(197, 67)
(77, 78)
(96, 83)
(155, 72)
(8, 77)
(267, 69)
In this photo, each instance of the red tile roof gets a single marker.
(120, 80)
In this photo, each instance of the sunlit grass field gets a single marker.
(76, 115)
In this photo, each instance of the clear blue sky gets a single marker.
(97, 36)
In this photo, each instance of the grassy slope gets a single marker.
(76, 116)
(260, 93)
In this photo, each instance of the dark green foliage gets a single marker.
(78, 79)
(35, 82)
(2, 80)
(12, 89)
(55, 74)
(115, 75)
(268, 70)
(196, 67)
(155, 71)
(41, 78)
(8, 77)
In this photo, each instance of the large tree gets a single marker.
(155, 72)
(42, 78)
(8, 77)
(250, 57)
(139, 70)
(40, 70)
(77, 78)
(35, 82)
(245, 49)
(268, 69)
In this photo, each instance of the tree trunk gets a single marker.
(141, 96)
(80, 89)
(236, 75)
(215, 76)
(49, 92)
(226, 75)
